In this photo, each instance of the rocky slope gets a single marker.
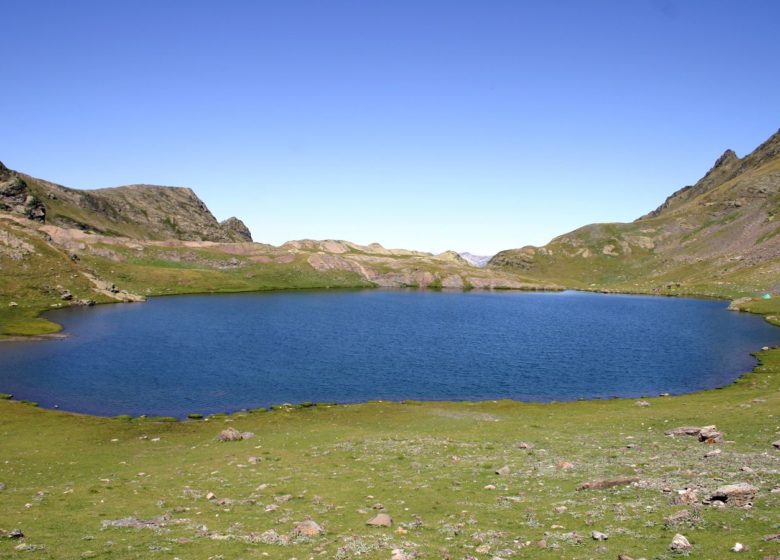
(710, 237)
(134, 211)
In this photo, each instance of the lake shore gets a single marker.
(82, 486)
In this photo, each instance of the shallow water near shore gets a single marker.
(214, 353)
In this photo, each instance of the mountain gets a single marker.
(480, 261)
(133, 211)
(61, 246)
(721, 235)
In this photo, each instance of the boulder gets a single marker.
(504, 471)
(740, 494)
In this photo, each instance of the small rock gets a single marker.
(283, 498)
(482, 549)
(525, 445)
(211, 496)
(679, 542)
(398, 554)
(738, 547)
(504, 471)
(776, 444)
(713, 453)
(380, 520)
(308, 528)
(564, 465)
(560, 509)
(598, 536)
(686, 497)
(739, 495)
(13, 304)
(747, 469)
(624, 557)
(709, 434)
(642, 403)
(490, 487)
(2, 486)
(231, 434)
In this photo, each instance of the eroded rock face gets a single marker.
(15, 196)
(238, 228)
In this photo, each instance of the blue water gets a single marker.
(176, 355)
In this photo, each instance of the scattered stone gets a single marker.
(707, 434)
(598, 536)
(2, 486)
(677, 517)
(602, 483)
(13, 304)
(560, 509)
(380, 520)
(308, 528)
(739, 495)
(231, 434)
(211, 496)
(679, 542)
(747, 469)
(136, 523)
(525, 445)
(490, 487)
(686, 497)
(564, 465)
(398, 554)
(713, 453)
(738, 547)
(14, 534)
(642, 403)
(775, 537)
(283, 498)
(624, 557)
(504, 471)
(776, 444)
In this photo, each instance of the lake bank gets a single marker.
(207, 354)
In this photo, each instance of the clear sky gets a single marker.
(432, 125)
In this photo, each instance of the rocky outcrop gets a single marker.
(237, 227)
(16, 197)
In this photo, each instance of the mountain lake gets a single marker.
(222, 353)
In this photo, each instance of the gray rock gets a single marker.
(776, 444)
(679, 542)
(504, 471)
(599, 536)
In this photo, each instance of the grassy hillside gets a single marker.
(719, 237)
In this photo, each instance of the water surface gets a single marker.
(206, 354)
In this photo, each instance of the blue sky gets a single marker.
(430, 125)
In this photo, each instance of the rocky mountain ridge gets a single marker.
(134, 211)
(721, 232)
